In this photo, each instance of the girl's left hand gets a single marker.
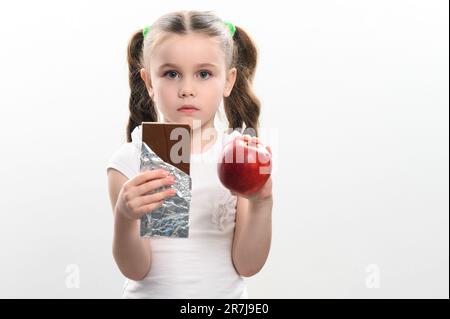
(265, 193)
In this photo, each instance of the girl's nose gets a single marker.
(184, 93)
(186, 90)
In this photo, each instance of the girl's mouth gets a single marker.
(188, 109)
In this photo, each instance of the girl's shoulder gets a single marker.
(136, 134)
(125, 160)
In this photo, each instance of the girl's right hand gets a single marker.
(135, 200)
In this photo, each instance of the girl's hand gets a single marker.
(265, 193)
(134, 200)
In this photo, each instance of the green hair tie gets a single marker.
(145, 31)
(231, 27)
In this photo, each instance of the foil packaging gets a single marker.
(171, 219)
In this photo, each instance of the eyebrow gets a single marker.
(176, 66)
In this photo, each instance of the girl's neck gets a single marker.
(203, 139)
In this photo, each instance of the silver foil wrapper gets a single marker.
(172, 218)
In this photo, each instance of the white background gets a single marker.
(357, 91)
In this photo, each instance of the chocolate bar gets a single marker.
(167, 146)
(161, 137)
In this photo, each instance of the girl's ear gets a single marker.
(230, 80)
(147, 80)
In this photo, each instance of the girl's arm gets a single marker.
(253, 228)
(131, 253)
(253, 232)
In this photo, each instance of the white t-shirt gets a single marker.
(201, 265)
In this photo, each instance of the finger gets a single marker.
(154, 184)
(269, 149)
(253, 141)
(148, 175)
(152, 198)
(149, 208)
(247, 137)
(256, 139)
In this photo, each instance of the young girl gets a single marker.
(184, 66)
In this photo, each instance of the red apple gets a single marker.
(244, 166)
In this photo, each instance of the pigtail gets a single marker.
(242, 105)
(141, 106)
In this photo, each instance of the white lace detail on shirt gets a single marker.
(224, 210)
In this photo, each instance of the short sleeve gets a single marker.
(126, 160)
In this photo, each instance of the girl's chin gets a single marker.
(190, 120)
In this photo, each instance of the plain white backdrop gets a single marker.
(357, 92)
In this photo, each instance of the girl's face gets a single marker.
(188, 70)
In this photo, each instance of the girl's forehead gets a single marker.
(187, 49)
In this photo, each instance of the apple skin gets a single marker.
(244, 166)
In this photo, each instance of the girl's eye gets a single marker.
(204, 74)
(172, 74)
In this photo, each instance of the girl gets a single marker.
(196, 60)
